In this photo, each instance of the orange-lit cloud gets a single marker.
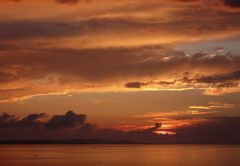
(30, 73)
(114, 46)
(136, 23)
(192, 115)
(213, 105)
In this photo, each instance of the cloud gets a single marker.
(72, 126)
(232, 3)
(223, 78)
(125, 46)
(70, 119)
(152, 129)
(220, 80)
(67, 1)
(30, 29)
(217, 129)
(138, 85)
(147, 135)
(59, 1)
(39, 72)
(133, 24)
(134, 84)
(10, 121)
(229, 3)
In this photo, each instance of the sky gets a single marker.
(142, 70)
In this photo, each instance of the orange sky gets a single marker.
(125, 64)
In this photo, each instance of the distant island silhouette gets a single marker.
(102, 141)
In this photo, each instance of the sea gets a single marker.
(120, 155)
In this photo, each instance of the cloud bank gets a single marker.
(74, 126)
(37, 72)
(117, 46)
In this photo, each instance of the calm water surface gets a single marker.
(120, 155)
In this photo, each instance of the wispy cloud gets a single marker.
(39, 72)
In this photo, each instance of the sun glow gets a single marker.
(164, 132)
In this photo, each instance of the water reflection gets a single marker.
(119, 155)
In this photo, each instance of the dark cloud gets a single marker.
(10, 121)
(214, 130)
(166, 82)
(131, 29)
(67, 1)
(146, 135)
(70, 119)
(232, 3)
(211, 130)
(220, 80)
(152, 129)
(70, 125)
(138, 85)
(7, 120)
(134, 84)
(31, 29)
(59, 1)
(17, 30)
(32, 120)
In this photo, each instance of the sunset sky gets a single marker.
(121, 66)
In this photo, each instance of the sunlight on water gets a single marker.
(119, 155)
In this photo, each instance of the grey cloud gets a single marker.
(10, 121)
(145, 135)
(211, 130)
(67, 1)
(96, 66)
(220, 80)
(16, 30)
(70, 125)
(152, 129)
(70, 119)
(126, 63)
(134, 84)
(232, 3)
(59, 1)
(38, 29)
(216, 129)
(138, 85)
(31, 29)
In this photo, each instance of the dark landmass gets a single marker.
(69, 141)
(101, 141)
